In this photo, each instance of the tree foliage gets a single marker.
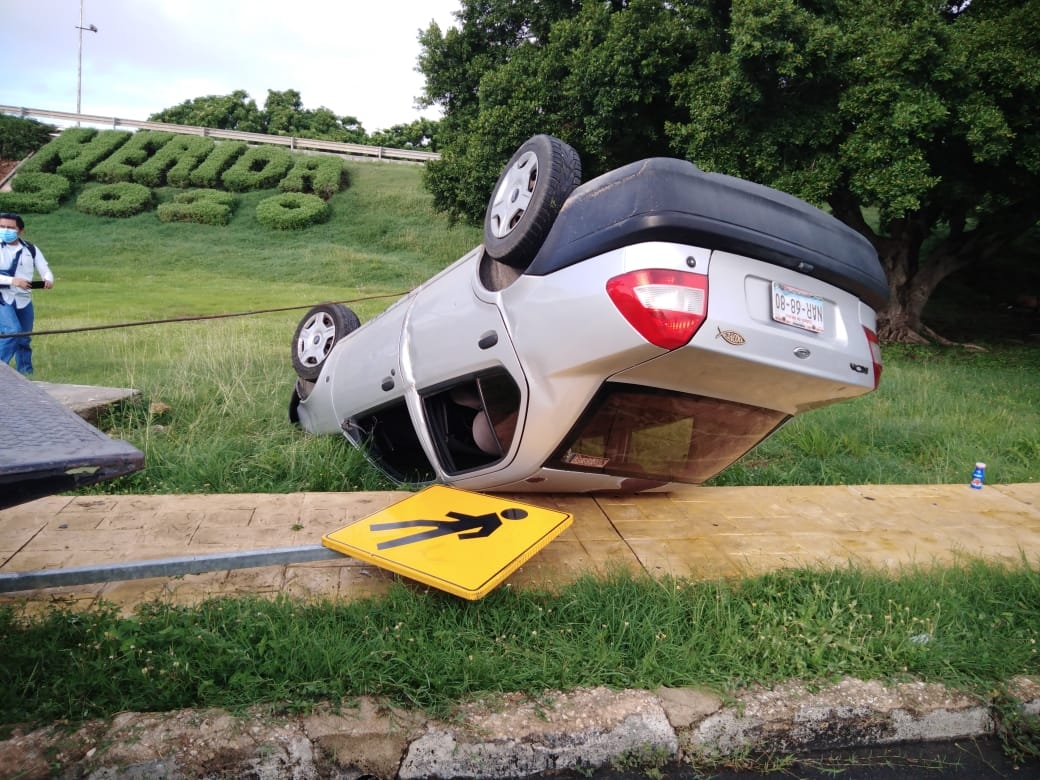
(422, 135)
(595, 74)
(914, 121)
(20, 137)
(283, 114)
(236, 111)
(922, 113)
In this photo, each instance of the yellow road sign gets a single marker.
(462, 542)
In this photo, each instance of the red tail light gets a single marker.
(875, 354)
(666, 307)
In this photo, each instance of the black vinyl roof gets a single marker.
(664, 199)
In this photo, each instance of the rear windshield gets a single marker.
(639, 432)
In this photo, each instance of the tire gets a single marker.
(527, 197)
(318, 332)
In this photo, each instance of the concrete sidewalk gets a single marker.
(701, 533)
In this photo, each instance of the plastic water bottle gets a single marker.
(978, 476)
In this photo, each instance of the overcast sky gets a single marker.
(355, 57)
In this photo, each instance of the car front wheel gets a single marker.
(527, 197)
(318, 332)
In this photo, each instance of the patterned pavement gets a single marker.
(699, 532)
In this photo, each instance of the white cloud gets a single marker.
(353, 57)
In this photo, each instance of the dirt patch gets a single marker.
(6, 166)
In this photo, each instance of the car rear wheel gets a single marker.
(318, 332)
(527, 197)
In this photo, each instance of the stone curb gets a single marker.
(509, 735)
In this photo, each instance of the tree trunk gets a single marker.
(912, 279)
(899, 253)
(910, 288)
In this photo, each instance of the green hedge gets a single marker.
(35, 193)
(185, 153)
(320, 174)
(122, 165)
(130, 164)
(260, 168)
(123, 199)
(74, 153)
(204, 207)
(208, 174)
(291, 211)
(26, 203)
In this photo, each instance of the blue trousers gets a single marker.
(15, 320)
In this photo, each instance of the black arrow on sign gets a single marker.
(466, 526)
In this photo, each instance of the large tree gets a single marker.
(490, 34)
(595, 74)
(914, 121)
(283, 114)
(236, 111)
(421, 134)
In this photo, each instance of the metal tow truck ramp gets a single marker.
(46, 448)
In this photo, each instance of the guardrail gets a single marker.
(379, 152)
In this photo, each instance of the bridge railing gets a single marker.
(339, 147)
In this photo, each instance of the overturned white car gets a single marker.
(645, 328)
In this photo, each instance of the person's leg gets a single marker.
(22, 350)
(8, 324)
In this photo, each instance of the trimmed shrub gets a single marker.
(190, 152)
(181, 150)
(123, 199)
(260, 168)
(37, 193)
(321, 174)
(208, 173)
(65, 147)
(138, 150)
(204, 207)
(27, 203)
(75, 152)
(291, 211)
(44, 183)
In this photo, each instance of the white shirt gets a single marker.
(25, 270)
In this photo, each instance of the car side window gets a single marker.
(473, 422)
(633, 431)
(388, 438)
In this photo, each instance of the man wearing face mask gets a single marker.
(20, 261)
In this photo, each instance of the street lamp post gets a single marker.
(79, 71)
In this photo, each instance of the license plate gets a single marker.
(798, 308)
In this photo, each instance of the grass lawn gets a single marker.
(227, 381)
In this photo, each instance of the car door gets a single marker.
(454, 335)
